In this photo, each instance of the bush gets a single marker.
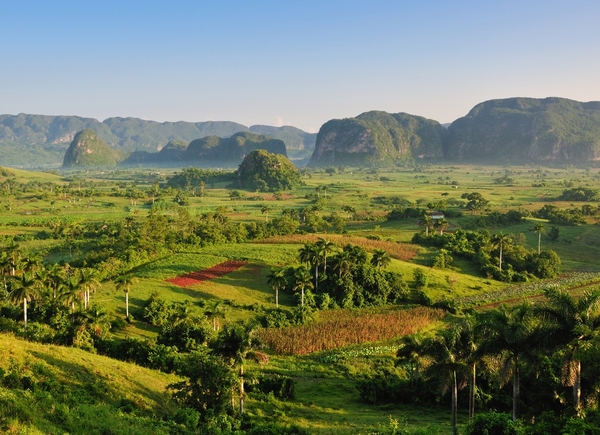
(493, 423)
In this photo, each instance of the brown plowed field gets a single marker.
(198, 277)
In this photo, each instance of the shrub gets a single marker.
(493, 423)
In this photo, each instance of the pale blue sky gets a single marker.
(291, 62)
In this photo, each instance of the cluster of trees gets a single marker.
(548, 351)
(496, 255)
(263, 171)
(331, 277)
(569, 216)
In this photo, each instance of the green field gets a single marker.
(88, 219)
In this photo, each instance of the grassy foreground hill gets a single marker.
(49, 389)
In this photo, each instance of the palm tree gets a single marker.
(539, 229)
(215, 311)
(325, 246)
(276, 278)
(509, 333)
(469, 354)
(311, 254)
(302, 281)
(265, 209)
(411, 354)
(572, 323)
(124, 282)
(342, 263)
(24, 288)
(381, 259)
(501, 240)
(88, 280)
(5, 270)
(351, 211)
(427, 222)
(441, 224)
(447, 363)
(238, 342)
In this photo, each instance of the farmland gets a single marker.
(206, 260)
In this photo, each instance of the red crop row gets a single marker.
(217, 271)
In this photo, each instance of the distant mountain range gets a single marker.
(513, 130)
(208, 151)
(40, 140)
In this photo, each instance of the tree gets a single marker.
(342, 263)
(411, 354)
(265, 209)
(468, 340)
(572, 323)
(325, 247)
(444, 349)
(238, 342)
(216, 310)
(554, 233)
(441, 224)
(381, 259)
(123, 283)
(208, 385)
(501, 240)
(476, 201)
(264, 171)
(539, 229)
(276, 279)
(510, 334)
(426, 222)
(351, 211)
(302, 281)
(24, 288)
(88, 281)
(311, 254)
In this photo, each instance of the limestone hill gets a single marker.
(87, 150)
(377, 138)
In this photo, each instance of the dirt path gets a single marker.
(200, 276)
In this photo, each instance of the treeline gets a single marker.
(497, 256)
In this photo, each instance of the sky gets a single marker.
(291, 62)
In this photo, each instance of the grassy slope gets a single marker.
(70, 383)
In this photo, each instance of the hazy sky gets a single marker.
(291, 62)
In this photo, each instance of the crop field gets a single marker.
(198, 252)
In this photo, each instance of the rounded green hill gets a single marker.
(87, 150)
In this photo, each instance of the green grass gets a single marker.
(327, 400)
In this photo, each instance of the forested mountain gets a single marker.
(40, 140)
(514, 130)
(209, 151)
(378, 138)
(554, 130)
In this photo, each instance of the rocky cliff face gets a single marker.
(526, 130)
(87, 150)
(377, 138)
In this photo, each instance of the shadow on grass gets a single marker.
(85, 385)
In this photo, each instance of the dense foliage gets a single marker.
(263, 171)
